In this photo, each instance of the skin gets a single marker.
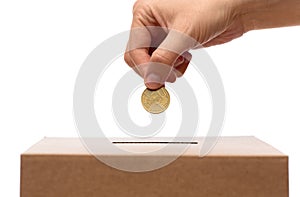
(209, 23)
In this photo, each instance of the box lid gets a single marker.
(224, 146)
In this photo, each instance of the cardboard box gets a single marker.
(236, 167)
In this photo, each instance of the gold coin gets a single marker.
(155, 101)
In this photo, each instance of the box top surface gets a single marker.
(224, 146)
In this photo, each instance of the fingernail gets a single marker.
(153, 81)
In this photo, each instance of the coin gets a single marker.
(155, 101)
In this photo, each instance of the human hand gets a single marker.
(161, 54)
(185, 25)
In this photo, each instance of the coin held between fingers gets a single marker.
(155, 101)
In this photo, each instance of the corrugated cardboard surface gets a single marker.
(236, 167)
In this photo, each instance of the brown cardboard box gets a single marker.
(236, 167)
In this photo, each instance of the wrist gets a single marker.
(262, 14)
(252, 12)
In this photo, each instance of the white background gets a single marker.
(43, 44)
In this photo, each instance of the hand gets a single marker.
(161, 54)
(186, 24)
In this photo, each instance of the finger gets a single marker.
(130, 63)
(171, 73)
(181, 67)
(172, 77)
(167, 53)
(138, 59)
(137, 51)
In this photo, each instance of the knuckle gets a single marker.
(161, 57)
(142, 6)
(138, 6)
(127, 58)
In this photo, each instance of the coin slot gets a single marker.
(155, 142)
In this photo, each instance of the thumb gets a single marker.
(162, 60)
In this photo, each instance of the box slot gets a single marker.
(155, 142)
